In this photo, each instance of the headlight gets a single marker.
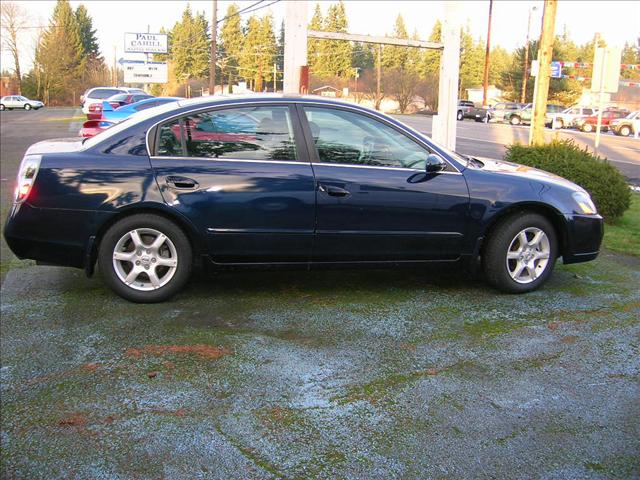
(585, 203)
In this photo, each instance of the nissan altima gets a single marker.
(286, 180)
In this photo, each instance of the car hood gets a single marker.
(501, 167)
(56, 145)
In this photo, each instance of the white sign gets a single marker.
(145, 72)
(145, 43)
(606, 69)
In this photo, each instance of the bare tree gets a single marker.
(427, 90)
(402, 85)
(368, 82)
(12, 19)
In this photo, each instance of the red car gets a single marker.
(93, 127)
(589, 124)
(117, 100)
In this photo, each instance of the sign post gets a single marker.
(606, 75)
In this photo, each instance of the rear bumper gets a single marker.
(51, 236)
(583, 238)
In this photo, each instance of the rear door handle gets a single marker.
(181, 183)
(333, 191)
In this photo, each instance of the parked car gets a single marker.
(567, 118)
(94, 127)
(122, 99)
(523, 115)
(18, 101)
(464, 107)
(93, 97)
(589, 124)
(120, 113)
(627, 125)
(498, 111)
(284, 181)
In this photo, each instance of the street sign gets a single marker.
(145, 72)
(556, 70)
(145, 43)
(535, 68)
(606, 70)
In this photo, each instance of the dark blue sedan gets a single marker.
(272, 180)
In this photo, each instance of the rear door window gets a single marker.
(246, 133)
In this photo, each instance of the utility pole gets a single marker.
(115, 68)
(485, 82)
(545, 56)
(444, 124)
(525, 74)
(275, 72)
(295, 45)
(378, 74)
(214, 35)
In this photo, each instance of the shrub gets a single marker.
(596, 175)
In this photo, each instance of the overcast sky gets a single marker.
(618, 21)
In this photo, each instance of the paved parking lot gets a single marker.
(334, 374)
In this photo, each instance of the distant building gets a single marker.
(327, 91)
(494, 94)
(8, 86)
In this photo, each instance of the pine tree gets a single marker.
(337, 53)
(396, 56)
(315, 47)
(266, 53)
(280, 55)
(190, 52)
(231, 40)
(87, 33)
(431, 58)
(59, 55)
(471, 62)
(248, 63)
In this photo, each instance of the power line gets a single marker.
(240, 12)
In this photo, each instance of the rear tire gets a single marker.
(514, 120)
(137, 270)
(520, 253)
(1, 107)
(624, 131)
(587, 128)
(460, 116)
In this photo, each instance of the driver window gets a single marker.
(351, 138)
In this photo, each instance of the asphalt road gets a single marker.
(491, 141)
(335, 374)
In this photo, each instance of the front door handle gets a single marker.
(181, 183)
(333, 191)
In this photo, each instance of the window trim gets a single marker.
(313, 152)
(295, 126)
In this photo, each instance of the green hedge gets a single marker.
(603, 181)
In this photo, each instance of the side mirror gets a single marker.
(435, 163)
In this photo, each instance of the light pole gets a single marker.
(526, 58)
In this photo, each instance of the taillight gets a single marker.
(27, 176)
(95, 107)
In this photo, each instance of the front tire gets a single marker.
(587, 128)
(625, 131)
(145, 258)
(459, 116)
(27, 107)
(520, 253)
(1, 107)
(514, 120)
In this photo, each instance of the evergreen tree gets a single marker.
(363, 55)
(630, 55)
(396, 56)
(190, 52)
(248, 61)
(315, 47)
(87, 33)
(231, 40)
(471, 62)
(59, 55)
(337, 53)
(431, 58)
(266, 52)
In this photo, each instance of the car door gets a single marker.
(239, 174)
(12, 102)
(375, 201)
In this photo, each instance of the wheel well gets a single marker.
(547, 212)
(188, 230)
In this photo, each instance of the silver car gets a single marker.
(18, 101)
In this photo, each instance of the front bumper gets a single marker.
(583, 238)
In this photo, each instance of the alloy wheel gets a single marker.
(145, 259)
(528, 255)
